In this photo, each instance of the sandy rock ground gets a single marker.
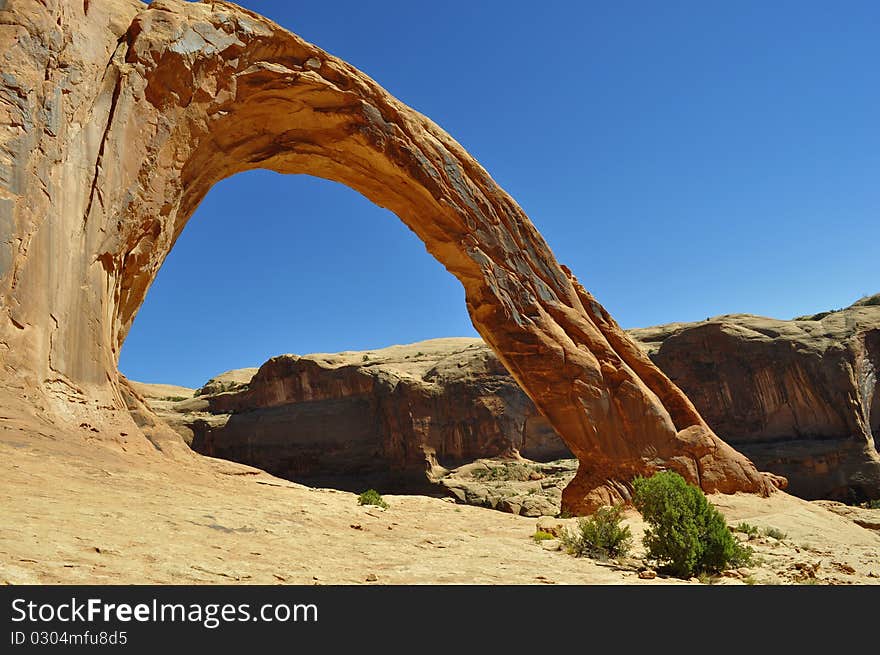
(77, 512)
(517, 485)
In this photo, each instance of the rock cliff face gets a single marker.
(391, 418)
(118, 117)
(801, 398)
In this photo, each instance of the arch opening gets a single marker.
(273, 264)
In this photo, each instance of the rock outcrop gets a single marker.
(395, 418)
(118, 117)
(518, 486)
(801, 398)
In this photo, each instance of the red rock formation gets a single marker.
(800, 397)
(383, 418)
(120, 117)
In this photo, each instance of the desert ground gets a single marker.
(73, 511)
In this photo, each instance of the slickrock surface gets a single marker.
(73, 511)
(515, 485)
(118, 117)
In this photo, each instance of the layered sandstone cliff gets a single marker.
(118, 117)
(799, 397)
(391, 418)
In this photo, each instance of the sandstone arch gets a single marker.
(120, 116)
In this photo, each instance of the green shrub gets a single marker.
(776, 534)
(686, 535)
(540, 536)
(873, 504)
(742, 556)
(372, 497)
(748, 529)
(600, 536)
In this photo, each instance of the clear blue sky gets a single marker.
(684, 159)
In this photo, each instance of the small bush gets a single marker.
(600, 536)
(748, 529)
(372, 497)
(540, 536)
(686, 534)
(873, 504)
(776, 534)
(742, 556)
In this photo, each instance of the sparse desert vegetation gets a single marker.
(747, 528)
(372, 497)
(600, 536)
(686, 534)
(774, 533)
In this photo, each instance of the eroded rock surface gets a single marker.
(801, 398)
(518, 486)
(395, 418)
(118, 117)
(71, 513)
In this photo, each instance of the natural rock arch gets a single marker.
(121, 116)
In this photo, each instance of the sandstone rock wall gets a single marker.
(386, 418)
(800, 397)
